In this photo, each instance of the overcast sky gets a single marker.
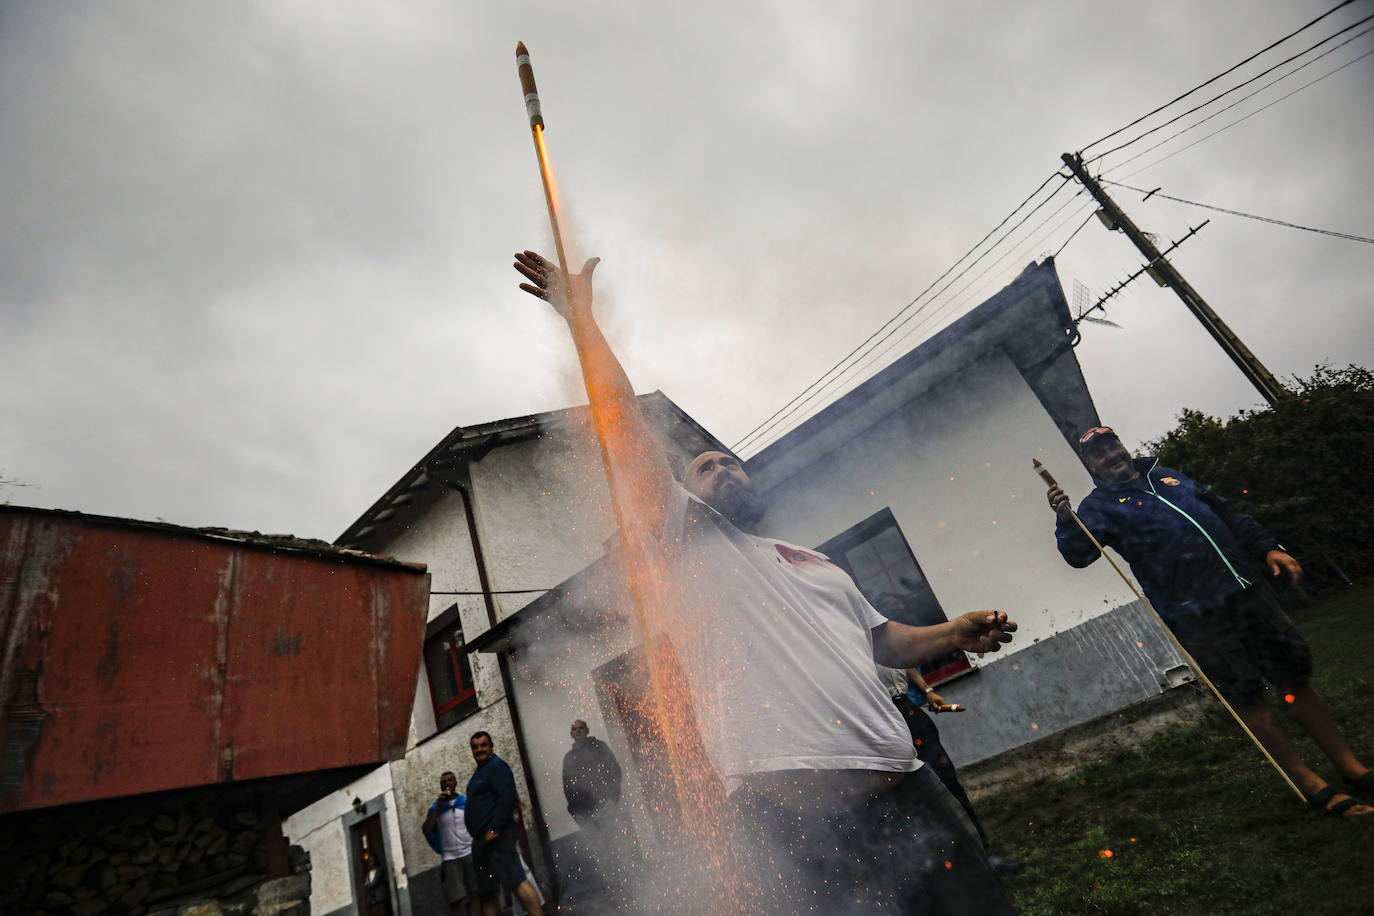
(255, 258)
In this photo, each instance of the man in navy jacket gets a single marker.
(490, 818)
(1203, 566)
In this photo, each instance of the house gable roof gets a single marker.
(423, 481)
(1028, 321)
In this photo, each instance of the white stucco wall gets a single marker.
(954, 467)
(320, 831)
(540, 510)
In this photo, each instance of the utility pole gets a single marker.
(1164, 272)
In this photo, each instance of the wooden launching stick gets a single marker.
(1050, 483)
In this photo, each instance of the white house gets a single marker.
(919, 482)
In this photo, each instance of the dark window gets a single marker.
(450, 674)
(875, 553)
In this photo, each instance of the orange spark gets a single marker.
(1289, 698)
(1105, 854)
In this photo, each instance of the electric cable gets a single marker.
(960, 298)
(1228, 125)
(1222, 95)
(508, 591)
(927, 313)
(753, 432)
(1263, 219)
(876, 357)
(1208, 82)
(1075, 233)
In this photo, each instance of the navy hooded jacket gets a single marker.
(1188, 548)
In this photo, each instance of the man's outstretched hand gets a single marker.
(982, 631)
(546, 282)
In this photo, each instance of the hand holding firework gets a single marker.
(1059, 500)
(936, 703)
(546, 282)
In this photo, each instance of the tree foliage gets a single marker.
(1303, 467)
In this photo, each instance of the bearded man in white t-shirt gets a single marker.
(829, 801)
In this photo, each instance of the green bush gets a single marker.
(1302, 467)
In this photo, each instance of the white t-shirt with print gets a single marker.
(776, 643)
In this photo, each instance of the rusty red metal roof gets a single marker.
(138, 657)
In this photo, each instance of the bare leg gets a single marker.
(491, 907)
(529, 899)
(1260, 720)
(1310, 711)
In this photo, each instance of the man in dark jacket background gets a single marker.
(490, 818)
(591, 785)
(591, 774)
(1203, 566)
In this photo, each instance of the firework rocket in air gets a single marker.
(522, 60)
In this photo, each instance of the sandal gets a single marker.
(1320, 801)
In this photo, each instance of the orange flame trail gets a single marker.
(700, 794)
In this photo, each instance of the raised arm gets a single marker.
(640, 467)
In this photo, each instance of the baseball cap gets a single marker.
(1097, 436)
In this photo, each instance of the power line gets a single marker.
(1222, 95)
(753, 433)
(1086, 219)
(1263, 219)
(1208, 82)
(1251, 95)
(509, 591)
(1229, 124)
(814, 392)
(929, 317)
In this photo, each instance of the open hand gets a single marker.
(546, 282)
(982, 631)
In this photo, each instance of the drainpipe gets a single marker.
(537, 809)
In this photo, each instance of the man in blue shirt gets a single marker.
(490, 817)
(1202, 564)
(447, 834)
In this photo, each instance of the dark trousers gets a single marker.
(926, 737)
(910, 849)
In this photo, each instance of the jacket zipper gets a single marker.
(1244, 583)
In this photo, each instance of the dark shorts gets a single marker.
(498, 865)
(459, 878)
(1247, 643)
(908, 850)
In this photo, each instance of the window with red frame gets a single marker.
(450, 673)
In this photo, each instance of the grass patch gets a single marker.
(1196, 821)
